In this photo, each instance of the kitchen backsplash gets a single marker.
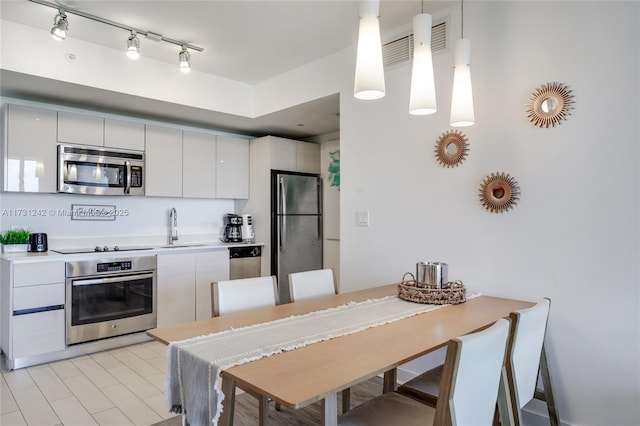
(141, 218)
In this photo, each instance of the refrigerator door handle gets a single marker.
(320, 212)
(283, 211)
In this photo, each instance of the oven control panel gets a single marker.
(110, 266)
(114, 266)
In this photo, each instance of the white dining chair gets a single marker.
(307, 284)
(526, 357)
(473, 380)
(239, 295)
(242, 294)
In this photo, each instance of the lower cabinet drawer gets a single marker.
(38, 296)
(38, 333)
(26, 274)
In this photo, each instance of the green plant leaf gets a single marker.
(15, 237)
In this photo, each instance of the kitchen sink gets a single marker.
(184, 245)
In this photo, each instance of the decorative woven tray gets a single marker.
(452, 292)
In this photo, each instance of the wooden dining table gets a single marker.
(317, 372)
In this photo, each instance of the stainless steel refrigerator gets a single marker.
(296, 226)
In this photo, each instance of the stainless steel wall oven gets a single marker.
(110, 297)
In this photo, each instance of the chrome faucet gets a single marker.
(173, 225)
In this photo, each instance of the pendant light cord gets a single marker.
(461, 18)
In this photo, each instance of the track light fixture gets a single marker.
(133, 46)
(61, 25)
(185, 60)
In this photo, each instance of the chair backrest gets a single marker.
(471, 376)
(303, 285)
(527, 337)
(242, 294)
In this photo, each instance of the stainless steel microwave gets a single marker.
(99, 171)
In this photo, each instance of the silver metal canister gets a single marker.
(431, 274)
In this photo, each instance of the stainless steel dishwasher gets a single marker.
(244, 262)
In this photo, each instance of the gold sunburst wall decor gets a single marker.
(549, 104)
(451, 148)
(499, 192)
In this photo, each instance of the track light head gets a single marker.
(185, 60)
(133, 46)
(60, 26)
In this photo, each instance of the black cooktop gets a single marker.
(100, 249)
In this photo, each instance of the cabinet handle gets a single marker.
(118, 279)
(37, 310)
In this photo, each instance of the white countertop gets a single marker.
(154, 250)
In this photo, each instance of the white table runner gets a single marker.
(194, 383)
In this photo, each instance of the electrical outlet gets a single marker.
(362, 218)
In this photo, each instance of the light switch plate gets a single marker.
(362, 218)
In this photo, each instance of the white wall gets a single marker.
(331, 209)
(105, 68)
(574, 235)
(145, 220)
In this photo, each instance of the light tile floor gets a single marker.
(124, 386)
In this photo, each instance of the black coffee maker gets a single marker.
(232, 228)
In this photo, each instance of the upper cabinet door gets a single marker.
(123, 134)
(283, 154)
(232, 167)
(198, 165)
(30, 147)
(308, 157)
(163, 162)
(80, 129)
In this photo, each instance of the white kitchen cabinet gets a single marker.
(80, 129)
(184, 284)
(282, 154)
(176, 288)
(123, 134)
(30, 149)
(210, 266)
(294, 156)
(232, 167)
(163, 162)
(28, 274)
(198, 165)
(86, 129)
(308, 157)
(33, 311)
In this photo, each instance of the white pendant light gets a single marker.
(422, 99)
(369, 80)
(60, 26)
(133, 46)
(462, 95)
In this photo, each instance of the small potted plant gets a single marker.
(15, 241)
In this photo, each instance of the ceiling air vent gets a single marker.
(401, 50)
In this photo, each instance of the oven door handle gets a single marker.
(109, 280)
